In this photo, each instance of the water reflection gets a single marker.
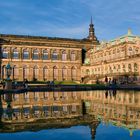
(42, 110)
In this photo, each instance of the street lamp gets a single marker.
(8, 71)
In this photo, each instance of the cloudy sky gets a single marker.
(69, 18)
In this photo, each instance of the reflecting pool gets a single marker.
(84, 115)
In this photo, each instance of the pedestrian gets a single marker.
(106, 80)
(110, 81)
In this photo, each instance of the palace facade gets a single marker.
(43, 58)
(82, 60)
(40, 58)
(118, 58)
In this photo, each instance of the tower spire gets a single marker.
(91, 20)
(91, 31)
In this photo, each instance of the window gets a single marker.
(114, 51)
(5, 54)
(15, 72)
(25, 54)
(45, 55)
(26, 96)
(35, 73)
(118, 51)
(54, 55)
(73, 73)
(46, 95)
(15, 97)
(64, 73)
(87, 72)
(130, 51)
(15, 54)
(64, 95)
(36, 96)
(135, 67)
(55, 73)
(124, 68)
(136, 50)
(64, 56)
(73, 57)
(129, 68)
(45, 73)
(119, 68)
(35, 54)
(25, 72)
(55, 95)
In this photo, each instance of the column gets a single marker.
(21, 74)
(30, 53)
(20, 54)
(40, 54)
(68, 55)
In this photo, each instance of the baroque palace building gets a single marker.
(118, 58)
(82, 60)
(43, 58)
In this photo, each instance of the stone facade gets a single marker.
(42, 58)
(46, 59)
(119, 59)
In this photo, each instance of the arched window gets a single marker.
(129, 68)
(15, 54)
(135, 67)
(110, 69)
(25, 72)
(136, 51)
(87, 72)
(54, 55)
(5, 53)
(45, 73)
(55, 73)
(35, 54)
(64, 73)
(45, 55)
(130, 51)
(73, 73)
(25, 54)
(124, 68)
(35, 73)
(73, 56)
(118, 51)
(15, 72)
(64, 56)
(119, 68)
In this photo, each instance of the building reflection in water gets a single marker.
(70, 108)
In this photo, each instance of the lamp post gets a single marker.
(8, 82)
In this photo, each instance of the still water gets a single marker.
(86, 115)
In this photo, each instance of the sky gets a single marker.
(70, 18)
